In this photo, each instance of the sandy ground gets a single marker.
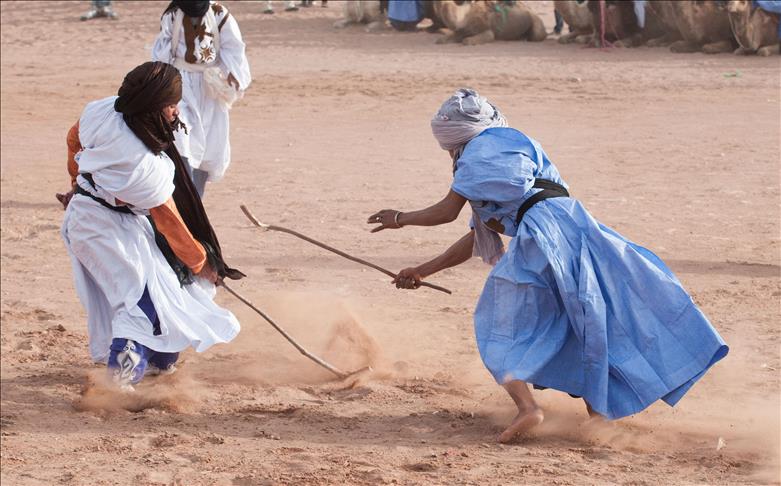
(678, 152)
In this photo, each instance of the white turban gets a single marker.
(463, 117)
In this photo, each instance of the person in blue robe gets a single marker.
(571, 304)
(404, 15)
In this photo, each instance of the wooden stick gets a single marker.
(321, 362)
(269, 227)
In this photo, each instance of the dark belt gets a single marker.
(181, 270)
(119, 209)
(549, 189)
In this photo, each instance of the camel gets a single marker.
(486, 21)
(622, 28)
(362, 12)
(577, 16)
(661, 28)
(704, 26)
(755, 29)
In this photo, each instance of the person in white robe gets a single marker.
(141, 313)
(203, 41)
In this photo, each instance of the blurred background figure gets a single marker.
(100, 8)
(309, 3)
(369, 12)
(559, 22)
(404, 15)
(290, 6)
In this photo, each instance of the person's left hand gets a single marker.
(208, 273)
(409, 278)
(65, 198)
(387, 218)
(232, 81)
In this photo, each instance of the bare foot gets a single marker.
(522, 423)
(591, 412)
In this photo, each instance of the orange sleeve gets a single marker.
(169, 223)
(74, 147)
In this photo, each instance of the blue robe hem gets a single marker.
(690, 375)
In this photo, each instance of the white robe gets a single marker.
(114, 255)
(207, 145)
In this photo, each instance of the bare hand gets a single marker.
(387, 218)
(208, 273)
(65, 198)
(232, 81)
(409, 278)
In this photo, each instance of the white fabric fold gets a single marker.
(488, 244)
(115, 258)
(120, 163)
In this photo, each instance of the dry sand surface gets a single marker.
(678, 152)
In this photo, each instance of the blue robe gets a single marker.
(573, 305)
(405, 10)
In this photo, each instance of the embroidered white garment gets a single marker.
(204, 107)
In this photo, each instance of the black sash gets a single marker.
(103, 202)
(549, 189)
(182, 272)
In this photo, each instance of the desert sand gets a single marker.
(680, 153)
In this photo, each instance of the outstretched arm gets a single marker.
(458, 253)
(445, 211)
(74, 147)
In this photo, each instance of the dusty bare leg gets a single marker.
(591, 412)
(529, 413)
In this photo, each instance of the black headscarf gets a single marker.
(145, 91)
(142, 96)
(191, 8)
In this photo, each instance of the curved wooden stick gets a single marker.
(269, 227)
(324, 364)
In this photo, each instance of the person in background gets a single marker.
(202, 39)
(404, 15)
(290, 6)
(100, 8)
(559, 22)
(310, 3)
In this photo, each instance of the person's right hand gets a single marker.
(409, 278)
(65, 198)
(232, 81)
(208, 273)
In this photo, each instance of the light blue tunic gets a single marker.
(573, 305)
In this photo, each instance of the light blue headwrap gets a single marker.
(462, 117)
